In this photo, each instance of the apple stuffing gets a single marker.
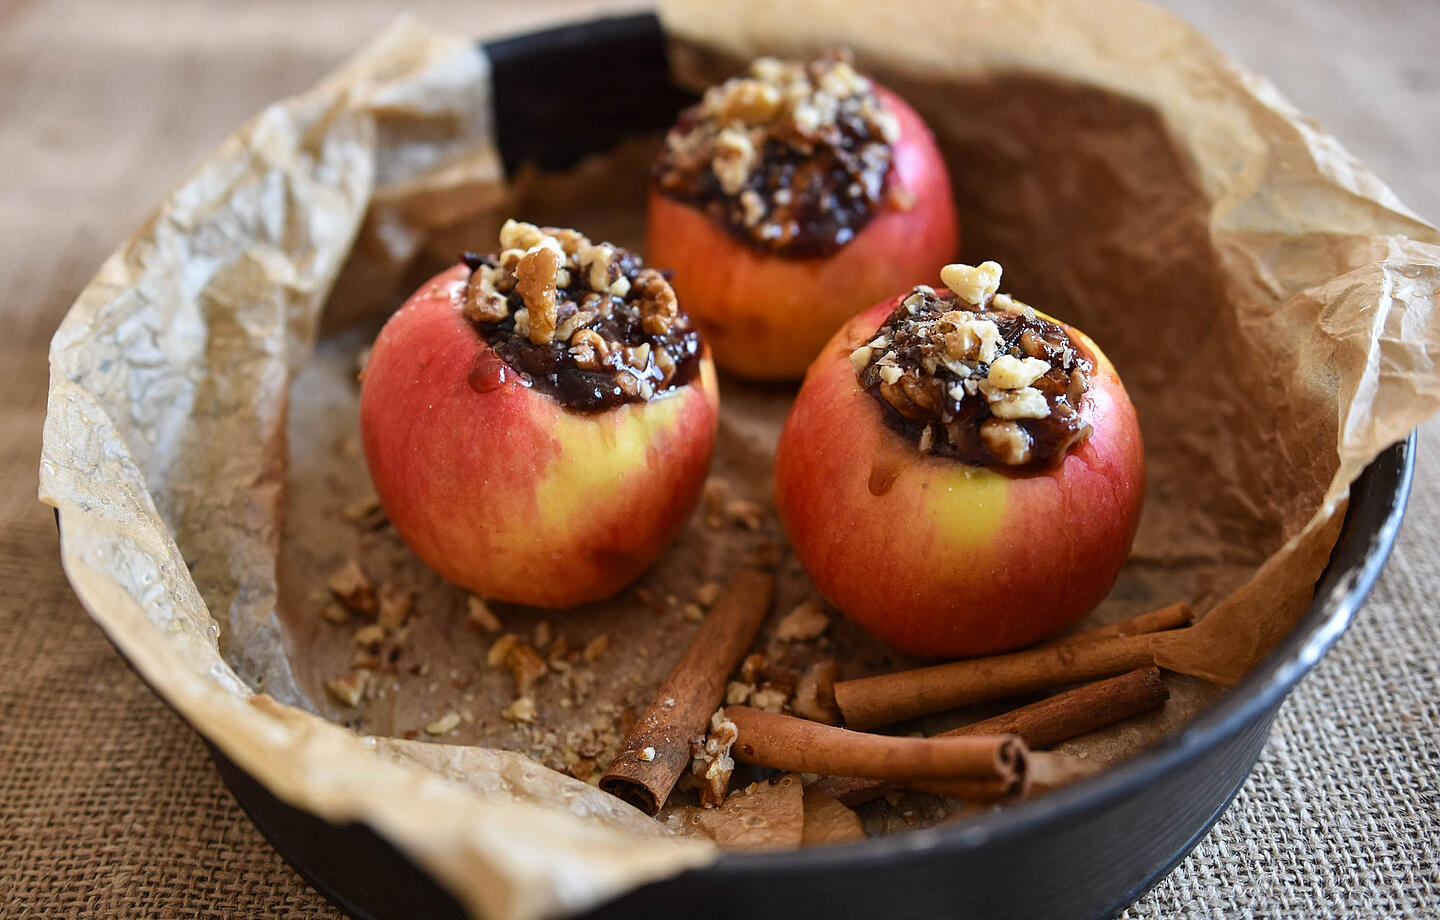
(538, 422)
(961, 474)
(788, 199)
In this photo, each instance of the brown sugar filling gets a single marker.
(584, 322)
(790, 158)
(978, 376)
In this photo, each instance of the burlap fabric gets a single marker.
(109, 805)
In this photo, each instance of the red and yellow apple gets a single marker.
(939, 558)
(767, 315)
(504, 491)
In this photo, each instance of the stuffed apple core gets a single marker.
(584, 322)
(976, 375)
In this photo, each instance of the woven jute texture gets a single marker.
(108, 803)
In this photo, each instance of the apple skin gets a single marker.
(766, 316)
(952, 560)
(505, 492)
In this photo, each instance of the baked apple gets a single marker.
(538, 423)
(790, 198)
(961, 474)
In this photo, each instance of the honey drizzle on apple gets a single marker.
(977, 376)
(790, 158)
(586, 323)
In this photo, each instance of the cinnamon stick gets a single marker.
(657, 750)
(886, 698)
(772, 739)
(1172, 616)
(1040, 725)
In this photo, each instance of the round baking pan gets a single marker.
(1085, 851)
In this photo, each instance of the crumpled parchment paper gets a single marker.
(1269, 303)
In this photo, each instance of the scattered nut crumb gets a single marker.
(349, 690)
(522, 710)
(370, 635)
(443, 725)
(693, 613)
(750, 514)
(544, 635)
(737, 692)
(769, 700)
(366, 513)
(815, 694)
(525, 665)
(500, 648)
(807, 621)
(752, 668)
(335, 612)
(350, 586)
(707, 594)
(394, 607)
(596, 647)
(481, 617)
(711, 762)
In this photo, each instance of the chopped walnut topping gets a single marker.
(584, 321)
(535, 279)
(807, 621)
(693, 612)
(977, 376)
(974, 284)
(1006, 440)
(658, 304)
(791, 158)
(350, 689)
(352, 588)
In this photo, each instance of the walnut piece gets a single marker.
(352, 588)
(394, 607)
(350, 689)
(1006, 440)
(815, 693)
(973, 283)
(481, 617)
(658, 304)
(444, 725)
(805, 622)
(535, 278)
(711, 762)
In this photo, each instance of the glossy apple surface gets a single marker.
(500, 489)
(766, 316)
(942, 559)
